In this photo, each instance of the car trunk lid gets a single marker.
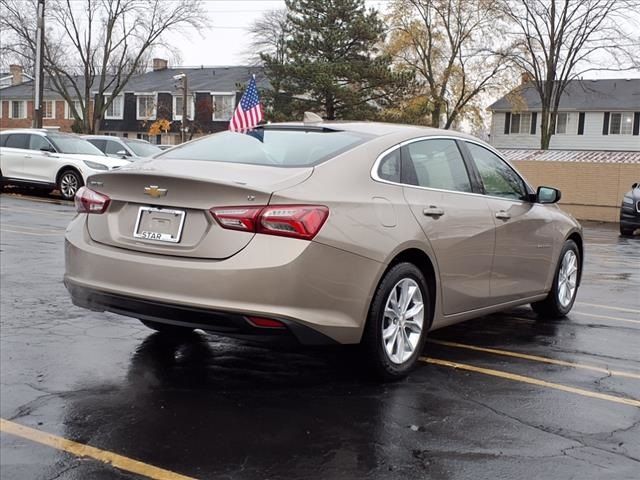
(162, 206)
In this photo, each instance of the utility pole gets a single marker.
(39, 73)
(185, 93)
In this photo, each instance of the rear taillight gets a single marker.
(88, 201)
(296, 221)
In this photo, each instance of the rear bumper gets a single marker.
(222, 323)
(306, 285)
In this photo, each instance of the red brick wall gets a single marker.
(60, 120)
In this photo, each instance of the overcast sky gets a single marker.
(226, 42)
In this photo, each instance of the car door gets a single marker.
(14, 149)
(524, 232)
(40, 162)
(455, 219)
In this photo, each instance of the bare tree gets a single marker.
(446, 44)
(269, 35)
(557, 41)
(93, 47)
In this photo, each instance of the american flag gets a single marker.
(249, 112)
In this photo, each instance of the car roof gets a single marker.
(37, 131)
(373, 128)
(106, 137)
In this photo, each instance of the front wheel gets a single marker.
(398, 320)
(626, 231)
(565, 284)
(69, 183)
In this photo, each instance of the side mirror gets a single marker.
(635, 185)
(123, 153)
(548, 195)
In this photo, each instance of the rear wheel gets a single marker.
(399, 318)
(626, 231)
(565, 284)
(167, 328)
(69, 183)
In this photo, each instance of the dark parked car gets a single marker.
(630, 210)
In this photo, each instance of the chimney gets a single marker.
(159, 64)
(525, 78)
(16, 73)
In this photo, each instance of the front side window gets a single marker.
(49, 109)
(112, 148)
(268, 146)
(223, 106)
(435, 164)
(18, 109)
(146, 105)
(36, 142)
(621, 123)
(561, 122)
(114, 111)
(498, 178)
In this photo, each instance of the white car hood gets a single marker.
(103, 159)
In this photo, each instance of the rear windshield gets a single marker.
(278, 148)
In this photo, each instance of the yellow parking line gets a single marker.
(81, 450)
(620, 309)
(532, 381)
(536, 358)
(606, 317)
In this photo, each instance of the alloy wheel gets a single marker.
(69, 185)
(403, 320)
(567, 278)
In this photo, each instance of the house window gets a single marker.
(146, 107)
(521, 123)
(114, 111)
(18, 109)
(77, 104)
(223, 105)
(621, 123)
(49, 109)
(561, 122)
(177, 107)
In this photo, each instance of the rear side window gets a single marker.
(270, 147)
(389, 168)
(17, 140)
(3, 140)
(435, 164)
(112, 148)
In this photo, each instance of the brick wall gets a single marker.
(59, 121)
(590, 191)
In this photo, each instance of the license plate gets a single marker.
(159, 224)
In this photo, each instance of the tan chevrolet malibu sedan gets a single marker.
(322, 233)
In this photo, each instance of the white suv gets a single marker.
(50, 160)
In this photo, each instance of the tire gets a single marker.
(626, 232)
(69, 182)
(167, 328)
(378, 352)
(562, 295)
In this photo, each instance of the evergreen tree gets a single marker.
(333, 62)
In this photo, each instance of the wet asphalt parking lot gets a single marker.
(89, 395)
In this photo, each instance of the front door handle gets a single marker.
(502, 215)
(433, 211)
(27, 156)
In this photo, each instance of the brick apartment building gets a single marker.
(213, 93)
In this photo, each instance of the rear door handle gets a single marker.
(433, 211)
(502, 215)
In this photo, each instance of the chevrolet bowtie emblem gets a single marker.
(154, 191)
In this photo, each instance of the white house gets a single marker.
(593, 115)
